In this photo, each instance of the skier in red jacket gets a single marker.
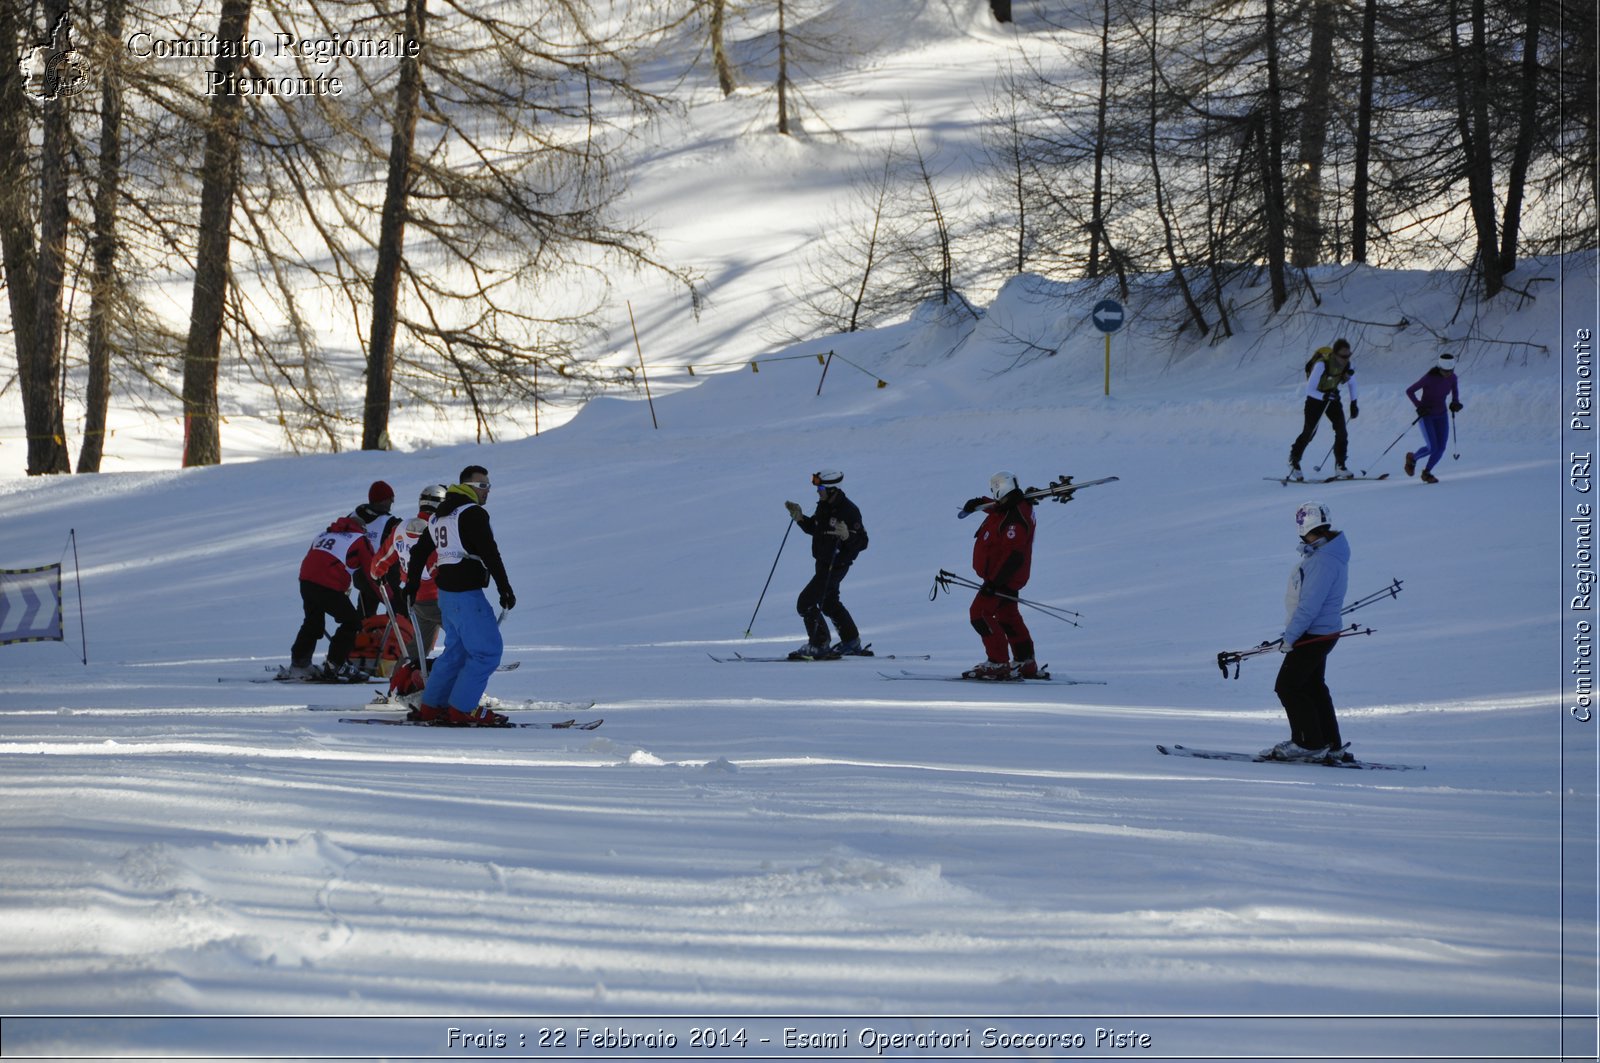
(1002, 556)
(325, 578)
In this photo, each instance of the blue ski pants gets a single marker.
(472, 651)
(1436, 431)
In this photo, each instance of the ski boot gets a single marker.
(998, 671)
(849, 648)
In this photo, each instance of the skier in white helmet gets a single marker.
(1002, 557)
(837, 537)
(1314, 602)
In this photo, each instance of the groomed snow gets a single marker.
(812, 845)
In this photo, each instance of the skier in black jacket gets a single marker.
(837, 536)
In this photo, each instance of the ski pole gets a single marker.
(416, 633)
(1233, 657)
(764, 586)
(1455, 437)
(945, 578)
(1397, 439)
(383, 643)
(1320, 415)
(1391, 591)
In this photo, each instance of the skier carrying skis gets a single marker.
(374, 515)
(1314, 601)
(467, 557)
(1429, 395)
(421, 598)
(325, 578)
(1328, 369)
(837, 538)
(1002, 556)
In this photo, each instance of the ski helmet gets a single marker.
(1311, 516)
(1002, 484)
(827, 478)
(1447, 362)
(432, 495)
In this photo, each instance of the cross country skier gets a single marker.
(1314, 601)
(1328, 369)
(421, 598)
(1002, 557)
(1428, 395)
(467, 557)
(837, 538)
(325, 578)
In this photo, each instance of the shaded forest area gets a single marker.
(457, 200)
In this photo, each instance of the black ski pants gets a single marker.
(1333, 406)
(320, 602)
(820, 598)
(1303, 692)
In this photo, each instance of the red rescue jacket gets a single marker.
(1003, 548)
(337, 553)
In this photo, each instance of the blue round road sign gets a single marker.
(1107, 315)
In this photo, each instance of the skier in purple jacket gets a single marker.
(1436, 397)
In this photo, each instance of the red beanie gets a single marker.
(380, 492)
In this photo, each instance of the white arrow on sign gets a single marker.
(1108, 316)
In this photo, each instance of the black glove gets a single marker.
(992, 588)
(1455, 407)
(408, 598)
(974, 504)
(1355, 411)
(507, 600)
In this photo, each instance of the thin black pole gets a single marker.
(764, 587)
(654, 423)
(824, 372)
(77, 578)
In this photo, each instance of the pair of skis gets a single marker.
(1287, 480)
(560, 725)
(1327, 762)
(866, 652)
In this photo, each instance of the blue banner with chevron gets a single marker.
(30, 604)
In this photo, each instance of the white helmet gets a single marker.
(1002, 484)
(1447, 362)
(827, 478)
(1311, 516)
(431, 497)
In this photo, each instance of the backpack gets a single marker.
(372, 653)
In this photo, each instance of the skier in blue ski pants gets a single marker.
(466, 557)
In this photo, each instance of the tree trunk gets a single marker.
(1527, 122)
(1359, 220)
(202, 437)
(104, 245)
(719, 52)
(391, 240)
(1313, 138)
(1272, 166)
(16, 214)
(1196, 314)
(783, 74)
(1471, 73)
(41, 396)
(1097, 221)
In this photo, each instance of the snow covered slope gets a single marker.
(781, 840)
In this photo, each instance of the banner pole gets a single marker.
(77, 579)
